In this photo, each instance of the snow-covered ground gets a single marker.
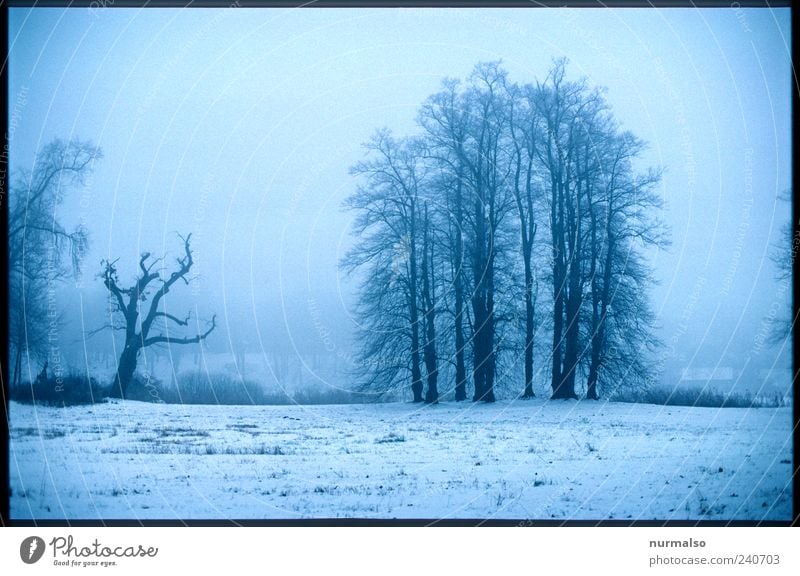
(524, 459)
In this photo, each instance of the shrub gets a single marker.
(390, 438)
(332, 396)
(69, 390)
(191, 388)
(145, 388)
(222, 388)
(202, 388)
(696, 396)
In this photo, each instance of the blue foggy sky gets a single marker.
(240, 126)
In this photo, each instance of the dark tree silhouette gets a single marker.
(140, 317)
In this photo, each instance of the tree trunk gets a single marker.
(416, 373)
(125, 370)
(489, 370)
(527, 229)
(481, 349)
(597, 320)
(559, 287)
(458, 286)
(601, 313)
(461, 369)
(432, 394)
(17, 367)
(591, 383)
(571, 357)
(478, 348)
(528, 326)
(558, 329)
(573, 300)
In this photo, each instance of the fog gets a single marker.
(239, 126)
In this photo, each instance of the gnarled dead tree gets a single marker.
(130, 303)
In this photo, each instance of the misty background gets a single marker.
(240, 126)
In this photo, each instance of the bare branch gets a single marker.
(173, 318)
(184, 265)
(161, 339)
(104, 327)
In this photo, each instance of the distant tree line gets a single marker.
(512, 228)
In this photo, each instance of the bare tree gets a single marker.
(467, 135)
(392, 230)
(624, 222)
(27, 323)
(571, 116)
(526, 135)
(445, 119)
(556, 102)
(38, 242)
(783, 256)
(140, 317)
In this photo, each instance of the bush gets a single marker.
(201, 388)
(145, 388)
(333, 396)
(222, 388)
(69, 390)
(191, 388)
(696, 396)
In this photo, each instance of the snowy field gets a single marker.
(525, 459)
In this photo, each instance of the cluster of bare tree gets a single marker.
(516, 211)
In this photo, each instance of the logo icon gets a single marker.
(31, 550)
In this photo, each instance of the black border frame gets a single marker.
(5, 163)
